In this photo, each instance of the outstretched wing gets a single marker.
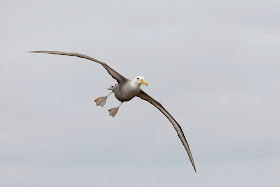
(110, 70)
(175, 124)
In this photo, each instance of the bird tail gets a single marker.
(111, 87)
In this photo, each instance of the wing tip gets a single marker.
(35, 51)
(193, 165)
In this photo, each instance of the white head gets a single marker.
(137, 81)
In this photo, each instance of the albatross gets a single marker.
(126, 90)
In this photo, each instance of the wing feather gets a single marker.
(119, 78)
(175, 124)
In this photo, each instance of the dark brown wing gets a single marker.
(111, 71)
(175, 124)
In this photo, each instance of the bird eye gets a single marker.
(137, 77)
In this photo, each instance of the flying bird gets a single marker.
(126, 90)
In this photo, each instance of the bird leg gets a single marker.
(100, 101)
(113, 111)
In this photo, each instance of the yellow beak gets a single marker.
(144, 82)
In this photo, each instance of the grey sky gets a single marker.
(214, 65)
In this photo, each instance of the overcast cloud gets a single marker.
(214, 65)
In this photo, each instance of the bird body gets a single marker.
(126, 90)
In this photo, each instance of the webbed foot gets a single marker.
(113, 111)
(100, 101)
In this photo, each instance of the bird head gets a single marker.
(140, 80)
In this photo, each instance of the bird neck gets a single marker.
(134, 84)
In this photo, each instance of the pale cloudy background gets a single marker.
(213, 64)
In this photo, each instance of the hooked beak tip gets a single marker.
(144, 82)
